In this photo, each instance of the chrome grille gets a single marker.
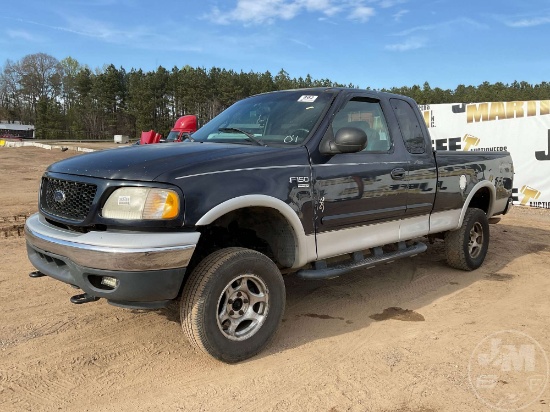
(67, 199)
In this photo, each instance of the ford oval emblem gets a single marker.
(59, 196)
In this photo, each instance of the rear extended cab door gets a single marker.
(421, 167)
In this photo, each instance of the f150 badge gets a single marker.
(302, 181)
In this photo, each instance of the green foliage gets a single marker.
(65, 99)
(485, 92)
(49, 118)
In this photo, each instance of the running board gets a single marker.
(322, 271)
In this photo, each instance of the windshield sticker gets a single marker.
(307, 99)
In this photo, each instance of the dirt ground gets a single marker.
(399, 337)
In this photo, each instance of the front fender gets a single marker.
(306, 244)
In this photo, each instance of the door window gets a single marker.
(366, 115)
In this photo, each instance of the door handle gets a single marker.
(398, 173)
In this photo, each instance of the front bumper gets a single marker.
(148, 267)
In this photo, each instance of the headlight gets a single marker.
(142, 203)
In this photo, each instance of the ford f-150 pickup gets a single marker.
(316, 182)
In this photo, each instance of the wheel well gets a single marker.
(481, 200)
(259, 228)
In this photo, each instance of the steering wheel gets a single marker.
(295, 135)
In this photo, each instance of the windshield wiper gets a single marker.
(250, 136)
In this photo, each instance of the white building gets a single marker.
(25, 131)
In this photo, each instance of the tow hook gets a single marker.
(83, 298)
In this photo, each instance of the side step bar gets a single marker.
(322, 271)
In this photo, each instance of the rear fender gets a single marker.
(492, 191)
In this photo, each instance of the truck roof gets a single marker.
(338, 90)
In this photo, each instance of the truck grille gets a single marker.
(67, 199)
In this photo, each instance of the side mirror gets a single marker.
(348, 140)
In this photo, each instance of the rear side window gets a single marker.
(409, 126)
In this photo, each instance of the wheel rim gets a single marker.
(243, 307)
(475, 244)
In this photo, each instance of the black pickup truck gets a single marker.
(316, 182)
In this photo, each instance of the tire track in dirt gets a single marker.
(27, 332)
(31, 391)
(13, 226)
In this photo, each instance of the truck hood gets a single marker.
(166, 162)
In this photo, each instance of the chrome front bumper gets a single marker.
(147, 269)
(117, 251)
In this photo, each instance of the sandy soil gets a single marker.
(399, 337)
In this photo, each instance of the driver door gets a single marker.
(360, 195)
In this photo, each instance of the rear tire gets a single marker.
(232, 304)
(466, 247)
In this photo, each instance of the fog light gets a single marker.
(109, 281)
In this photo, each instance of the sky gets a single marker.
(368, 43)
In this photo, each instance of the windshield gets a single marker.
(172, 136)
(284, 118)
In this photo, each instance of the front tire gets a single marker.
(232, 304)
(466, 247)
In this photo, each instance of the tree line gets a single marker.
(68, 100)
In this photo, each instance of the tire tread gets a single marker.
(195, 292)
(455, 251)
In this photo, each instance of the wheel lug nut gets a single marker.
(230, 301)
(231, 312)
(239, 294)
(241, 312)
